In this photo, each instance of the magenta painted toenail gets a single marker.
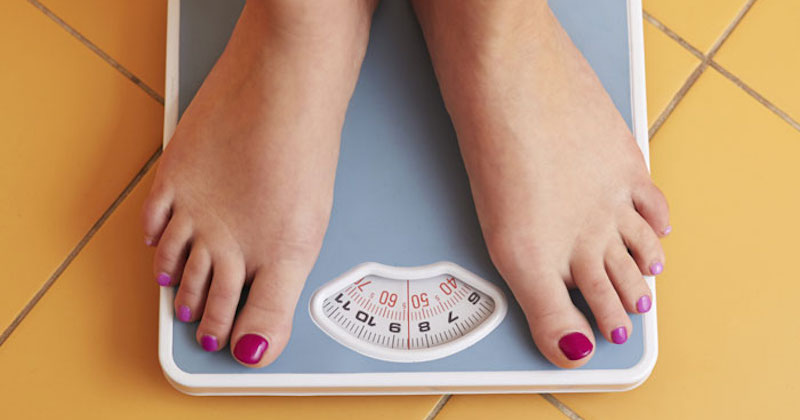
(184, 313)
(643, 305)
(250, 348)
(656, 268)
(667, 230)
(575, 346)
(209, 343)
(164, 279)
(619, 335)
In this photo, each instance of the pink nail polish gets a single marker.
(575, 346)
(656, 268)
(209, 343)
(250, 348)
(667, 230)
(164, 279)
(643, 305)
(148, 242)
(184, 313)
(619, 335)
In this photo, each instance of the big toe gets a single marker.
(263, 327)
(559, 329)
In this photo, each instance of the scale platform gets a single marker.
(404, 298)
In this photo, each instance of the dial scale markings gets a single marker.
(408, 314)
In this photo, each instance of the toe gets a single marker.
(652, 205)
(590, 276)
(559, 329)
(155, 215)
(191, 296)
(227, 280)
(172, 251)
(642, 241)
(263, 326)
(627, 279)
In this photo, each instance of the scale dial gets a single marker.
(408, 314)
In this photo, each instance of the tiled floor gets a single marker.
(81, 84)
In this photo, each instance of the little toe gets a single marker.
(590, 276)
(156, 213)
(191, 296)
(264, 324)
(627, 279)
(642, 241)
(227, 280)
(651, 203)
(559, 329)
(172, 251)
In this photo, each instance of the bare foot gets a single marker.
(243, 191)
(561, 189)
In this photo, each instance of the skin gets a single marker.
(243, 192)
(561, 189)
(244, 189)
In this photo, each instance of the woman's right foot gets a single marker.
(243, 192)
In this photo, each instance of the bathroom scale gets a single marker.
(404, 298)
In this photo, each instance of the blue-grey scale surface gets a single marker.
(402, 196)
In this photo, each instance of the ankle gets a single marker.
(310, 23)
(479, 24)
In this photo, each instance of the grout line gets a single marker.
(705, 62)
(676, 99)
(727, 33)
(438, 407)
(670, 33)
(85, 41)
(79, 247)
(757, 96)
(571, 414)
(673, 103)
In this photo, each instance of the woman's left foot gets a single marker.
(561, 188)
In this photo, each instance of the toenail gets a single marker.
(619, 335)
(184, 313)
(209, 343)
(643, 305)
(575, 346)
(164, 279)
(656, 268)
(667, 230)
(149, 241)
(250, 348)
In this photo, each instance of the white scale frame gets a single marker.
(402, 383)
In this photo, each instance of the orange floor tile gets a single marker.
(667, 66)
(88, 348)
(132, 32)
(772, 71)
(729, 327)
(74, 133)
(700, 23)
(506, 407)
